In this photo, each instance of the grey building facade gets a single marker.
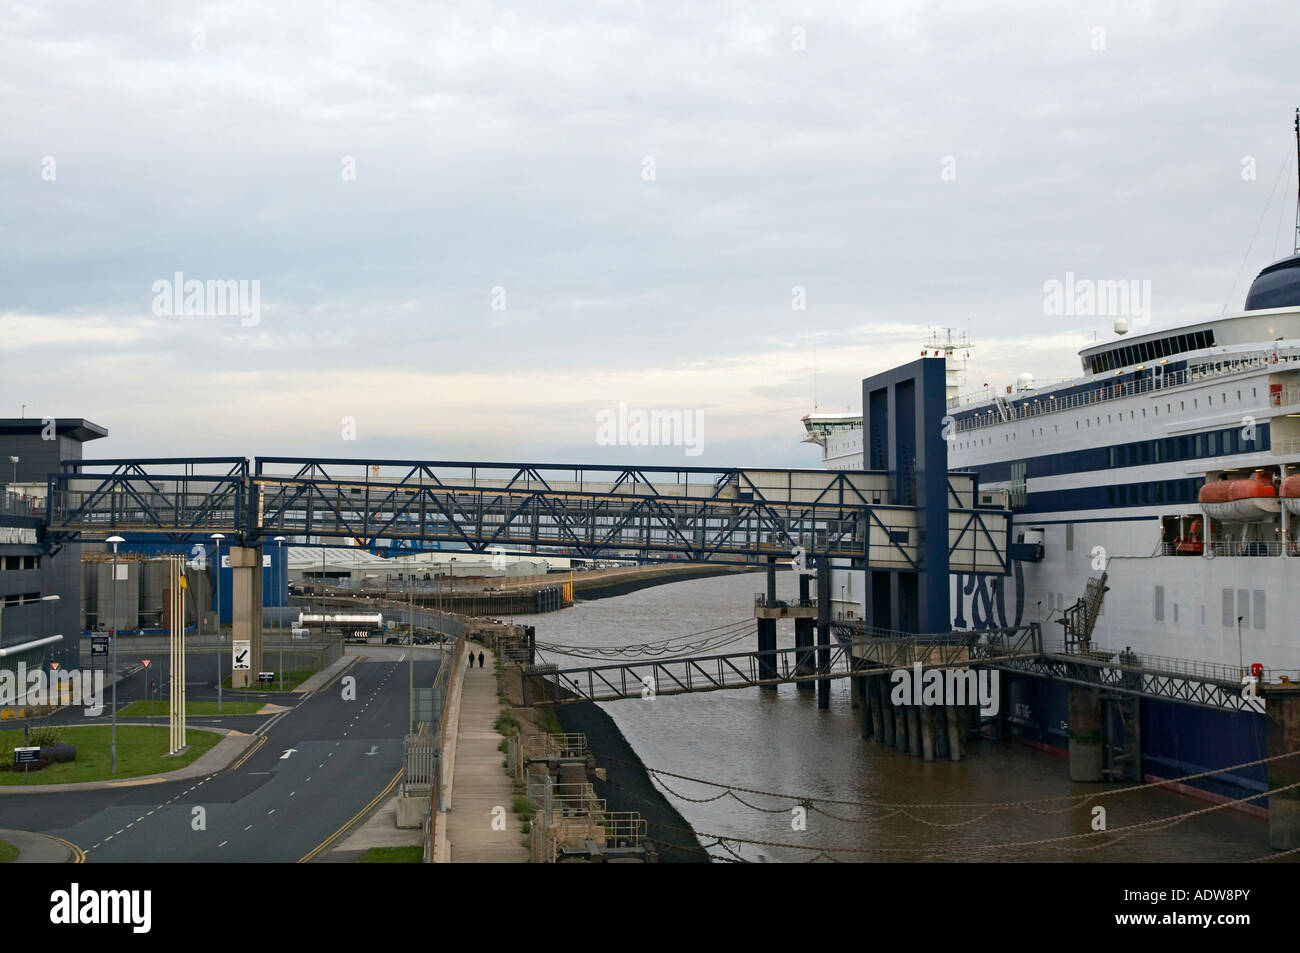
(31, 567)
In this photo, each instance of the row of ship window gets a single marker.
(1253, 439)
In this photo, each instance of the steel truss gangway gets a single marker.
(1206, 686)
(653, 513)
(708, 673)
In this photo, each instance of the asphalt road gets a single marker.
(322, 763)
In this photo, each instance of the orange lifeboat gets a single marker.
(1252, 500)
(1290, 493)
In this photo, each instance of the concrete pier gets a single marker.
(246, 609)
(915, 744)
(1086, 749)
(952, 719)
(1283, 735)
(927, 731)
(886, 711)
(863, 704)
(940, 729)
(873, 703)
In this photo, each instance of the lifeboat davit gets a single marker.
(1290, 493)
(1251, 500)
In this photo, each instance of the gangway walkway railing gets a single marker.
(734, 670)
(1204, 684)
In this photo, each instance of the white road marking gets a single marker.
(271, 811)
(223, 843)
(249, 827)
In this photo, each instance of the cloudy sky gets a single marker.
(475, 226)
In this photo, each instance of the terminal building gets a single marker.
(40, 582)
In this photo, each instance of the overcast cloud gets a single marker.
(506, 147)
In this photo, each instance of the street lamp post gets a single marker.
(217, 572)
(112, 634)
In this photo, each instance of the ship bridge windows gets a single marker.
(1128, 355)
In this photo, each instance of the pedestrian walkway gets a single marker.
(36, 848)
(479, 782)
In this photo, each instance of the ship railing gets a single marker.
(1230, 547)
(1023, 408)
(1285, 397)
(1218, 548)
(760, 602)
(1225, 673)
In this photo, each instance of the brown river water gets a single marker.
(778, 741)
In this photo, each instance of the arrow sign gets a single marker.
(374, 749)
(285, 756)
(242, 651)
(55, 666)
(146, 662)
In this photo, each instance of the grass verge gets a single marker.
(412, 854)
(140, 709)
(291, 681)
(141, 750)
(8, 852)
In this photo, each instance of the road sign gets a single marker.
(265, 677)
(54, 666)
(242, 651)
(26, 756)
(146, 662)
(99, 645)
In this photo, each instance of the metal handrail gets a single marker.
(1230, 548)
(1006, 408)
(1190, 668)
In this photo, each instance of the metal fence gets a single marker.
(422, 774)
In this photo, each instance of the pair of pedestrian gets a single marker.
(471, 659)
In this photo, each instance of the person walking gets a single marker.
(471, 659)
(480, 659)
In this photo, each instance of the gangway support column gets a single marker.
(886, 709)
(767, 630)
(914, 741)
(860, 687)
(927, 731)
(823, 633)
(1086, 747)
(874, 683)
(803, 638)
(246, 609)
(1282, 717)
(953, 719)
